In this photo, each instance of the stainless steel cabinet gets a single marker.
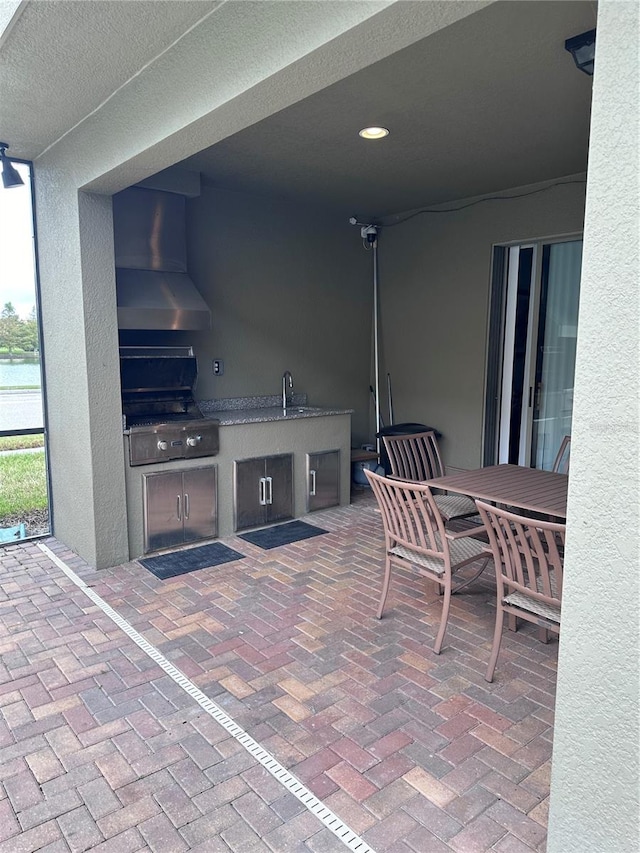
(179, 506)
(323, 479)
(263, 490)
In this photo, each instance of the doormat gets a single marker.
(189, 560)
(282, 534)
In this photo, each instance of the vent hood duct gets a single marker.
(150, 242)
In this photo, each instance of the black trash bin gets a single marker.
(399, 429)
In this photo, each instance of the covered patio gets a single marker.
(412, 752)
(102, 749)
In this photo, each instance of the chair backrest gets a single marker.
(410, 516)
(561, 462)
(415, 456)
(528, 553)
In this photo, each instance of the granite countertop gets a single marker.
(263, 414)
(255, 410)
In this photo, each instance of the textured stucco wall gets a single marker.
(595, 782)
(435, 277)
(289, 289)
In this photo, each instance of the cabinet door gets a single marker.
(163, 510)
(323, 479)
(279, 475)
(249, 493)
(200, 505)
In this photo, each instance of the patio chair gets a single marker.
(528, 555)
(416, 457)
(561, 462)
(416, 539)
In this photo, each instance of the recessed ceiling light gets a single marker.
(373, 132)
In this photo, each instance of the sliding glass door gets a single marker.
(542, 289)
(555, 361)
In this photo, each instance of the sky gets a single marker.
(17, 278)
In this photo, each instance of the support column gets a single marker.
(82, 370)
(595, 780)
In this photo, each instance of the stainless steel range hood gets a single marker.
(153, 288)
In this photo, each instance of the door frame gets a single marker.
(500, 309)
(44, 430)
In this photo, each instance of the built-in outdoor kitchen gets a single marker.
(197, 468)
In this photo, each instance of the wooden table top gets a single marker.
(514, 485)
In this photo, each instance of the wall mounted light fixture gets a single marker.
(10, 176)
(583, 49)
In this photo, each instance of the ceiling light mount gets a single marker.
(583, 49)
(10, 175)
(373, 132)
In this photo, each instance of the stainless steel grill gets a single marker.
(160, 414)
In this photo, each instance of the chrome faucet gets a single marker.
(287, 390)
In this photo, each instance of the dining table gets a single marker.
(529, 489)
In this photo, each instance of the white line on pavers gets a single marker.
(286, 779)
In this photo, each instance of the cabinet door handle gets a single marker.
(186, 505)
(262, 497)
(179, 508)
(270, 495)
(312, 490)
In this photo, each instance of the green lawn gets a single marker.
(23, 483)
(16, 442)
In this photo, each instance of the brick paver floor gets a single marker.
(101, 750)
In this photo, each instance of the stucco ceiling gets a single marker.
(60, 60)
(491, 102)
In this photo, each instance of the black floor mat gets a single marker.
(282, 534)
(189, 560)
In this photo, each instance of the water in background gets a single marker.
(16, 373)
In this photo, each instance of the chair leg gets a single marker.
(385, 587)
(512, 622)
(443, 618)
(497, 639)
(472, 578)
(543, 635)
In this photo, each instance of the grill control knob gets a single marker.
(193, 440)
(162, 445)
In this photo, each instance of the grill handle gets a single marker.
(179, 507)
